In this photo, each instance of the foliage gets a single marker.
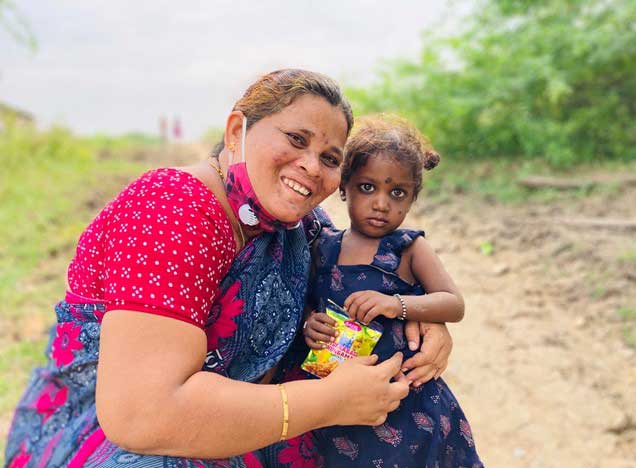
(486, 248)
(12, 21)
(45, 176)
(35, 167)
(554, 79)
(51, 184)
(628, 315)
(126, 141)
(212, 136)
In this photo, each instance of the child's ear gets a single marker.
(343, 194)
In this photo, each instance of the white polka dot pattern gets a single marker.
(162, 246)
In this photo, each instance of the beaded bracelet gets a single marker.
(283, 394)
(403, 304)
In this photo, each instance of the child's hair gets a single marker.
(394, 137)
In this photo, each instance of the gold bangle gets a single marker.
(283, 394)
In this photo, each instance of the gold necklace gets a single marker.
(240, 230)
(213, 162)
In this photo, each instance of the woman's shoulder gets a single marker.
(172, 192)
(172, 207)
(166, 182)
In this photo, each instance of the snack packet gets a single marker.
(354, 339)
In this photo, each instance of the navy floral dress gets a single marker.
(429, 428)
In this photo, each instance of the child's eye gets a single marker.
(366, 188)
(297, 140)
(330, 160)
(398, 193)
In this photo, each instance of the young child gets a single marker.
(377, 271)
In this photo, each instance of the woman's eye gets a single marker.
(330, 160)
(398, 193)
(366, 188)
(296, 140)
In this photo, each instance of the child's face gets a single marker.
(379, 195)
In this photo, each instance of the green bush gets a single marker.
(554, 79)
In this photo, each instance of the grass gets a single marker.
(628, 315)
(496, 179)
(629, 335)
(627, 257)
(49, 182)
(486, 248)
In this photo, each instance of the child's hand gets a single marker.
(319, 330)
(364, 306)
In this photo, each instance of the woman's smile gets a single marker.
(297, 187)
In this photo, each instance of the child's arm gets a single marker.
(443, 303)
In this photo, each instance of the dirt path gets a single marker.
(539, 364)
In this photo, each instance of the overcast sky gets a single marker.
(117, 65)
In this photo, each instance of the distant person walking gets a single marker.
(163, 128)
(176, 129)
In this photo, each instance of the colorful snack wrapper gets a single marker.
(354, 339)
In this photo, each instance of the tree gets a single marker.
(547, 78)
(14, 23)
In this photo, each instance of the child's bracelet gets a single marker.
(283, 395)
(403, 304)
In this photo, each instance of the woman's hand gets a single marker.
(432, 359)
(363, 392)
(364, 306)
(319, 330)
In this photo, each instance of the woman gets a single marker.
(217, 264)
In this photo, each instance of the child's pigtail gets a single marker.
(431, 160)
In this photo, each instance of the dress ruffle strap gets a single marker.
(327, 248)
(391, 247)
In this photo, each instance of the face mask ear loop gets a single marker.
(243, 133)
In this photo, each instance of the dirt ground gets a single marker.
(540, 364)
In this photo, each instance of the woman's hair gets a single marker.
(273, 92)
(391, 136)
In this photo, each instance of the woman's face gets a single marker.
(294, 157)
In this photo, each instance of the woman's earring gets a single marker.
(231, 147)
(343, 195)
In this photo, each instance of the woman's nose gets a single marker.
(310, 162)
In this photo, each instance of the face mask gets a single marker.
(243, 200)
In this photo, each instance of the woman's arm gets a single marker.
(153, 398)
(432, 359)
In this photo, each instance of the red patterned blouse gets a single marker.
(161, 246)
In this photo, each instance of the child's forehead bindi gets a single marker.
(385, 170)
(380, 179)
